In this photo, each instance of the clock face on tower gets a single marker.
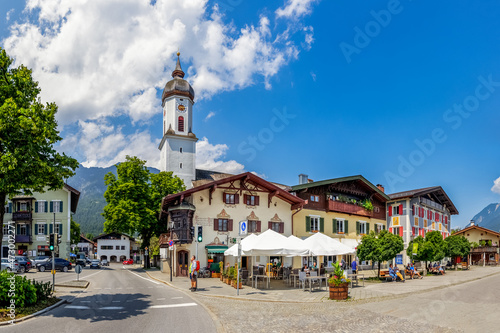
(181, 106)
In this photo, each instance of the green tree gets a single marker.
(390, 245)
(154, 246)
(457, 246)
(369, 249)
(89, 236)
(75, 232)
(434, 240)
(28, 131)
(133, 199)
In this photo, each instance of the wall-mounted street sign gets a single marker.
(243, 228)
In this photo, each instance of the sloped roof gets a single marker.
(111, 233)
(436, 193)
(463, 231)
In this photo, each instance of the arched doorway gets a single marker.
(122, 258)
(182, 263)
(104, 258)
(113, 259)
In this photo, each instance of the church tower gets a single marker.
(178, 145)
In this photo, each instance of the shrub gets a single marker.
(43, 290)
(23, 292)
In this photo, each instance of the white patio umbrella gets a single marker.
(322, 245)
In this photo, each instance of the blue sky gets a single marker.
(405, 93)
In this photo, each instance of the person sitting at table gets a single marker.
(305, 268)
(392, 273)
(314, 267)
(398, 273)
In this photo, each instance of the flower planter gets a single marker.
(226, 280)
(215, 275)
(229, 281)
(221, 277)
(339, 292)
(234, 284)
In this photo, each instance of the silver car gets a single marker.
(7, 265)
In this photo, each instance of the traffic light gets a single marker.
(51, 242)
(59, 240)
(200, 234)
(191, 232)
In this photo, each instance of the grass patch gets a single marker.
(23, 312)
(374, 279)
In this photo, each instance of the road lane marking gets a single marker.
(176, 297)
(85, 301)
(116, 301)
(112, 308)
(172, 305)
(143, 277)
(107, 288)
(77, 307)
(160, 299)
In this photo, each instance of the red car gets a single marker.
(128, 262)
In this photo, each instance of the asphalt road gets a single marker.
(119, 299)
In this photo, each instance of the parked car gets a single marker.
(88, 260)
(62, 265)
(7, 265)
(104, 262)
(95, 264)
(38, 259)
(24, 264)
(128, 262)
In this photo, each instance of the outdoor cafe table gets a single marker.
(256, 277)
(356, 277)
(320, 278)
(295, 277)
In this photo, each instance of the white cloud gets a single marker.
(209, 115)
(208, 157)
(496, 186)
(295, 8)
(105, 63)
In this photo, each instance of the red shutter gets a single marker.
(256, 200)
(390, 210)
(400, 209)
(421, 212)
(401, 231)
(224, 197)
(216, 224)
(390, 230)
(236, 199)
(269, 225)
(229, 225)
(446, 220)
(413, 210)
(282, 227)
(258, 226)
(245, 199)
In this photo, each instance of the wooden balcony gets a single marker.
(485, 249)
(347, 208)
(21, 216)
(23, 239)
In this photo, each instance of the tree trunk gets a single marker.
(378, 274)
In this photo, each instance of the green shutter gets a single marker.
(334, 226)
(60, 228)
(308, 223)
(35, 231)
(357, 227)
(45, 229)
(367, 228)
(36, 207)
(321, 224)
(50, 227)
(46, 207)
(51, 208)
(383, 227)
(10, 207)
(60, 207)
(346, 227)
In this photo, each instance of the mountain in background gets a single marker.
(90, 183)
(489, 217)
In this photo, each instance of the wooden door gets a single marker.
(183, 263)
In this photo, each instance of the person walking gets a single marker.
(192, 270)
(354, 267)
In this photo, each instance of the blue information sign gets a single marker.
(399, 259)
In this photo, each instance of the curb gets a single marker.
(218, 324)
(5, 323)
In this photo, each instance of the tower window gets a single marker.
(180, 150)
(181, 166)
(180, 124)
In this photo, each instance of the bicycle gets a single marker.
(204, 272)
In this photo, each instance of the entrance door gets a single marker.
(182, 263)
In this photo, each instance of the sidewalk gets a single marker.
(280, 292)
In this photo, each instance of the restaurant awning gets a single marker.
(216, 248)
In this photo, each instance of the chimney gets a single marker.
(302, 179)
(381, 187)
(472, 223)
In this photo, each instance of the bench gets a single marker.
(385, 275)
(463, 265)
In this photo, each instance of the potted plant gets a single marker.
(230, 276)
(225, 275)
(338, 284)
(367, 205)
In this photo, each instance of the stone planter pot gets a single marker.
(339, 292)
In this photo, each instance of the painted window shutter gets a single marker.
(245, 198)
(367, 228)
(224, 197)
(390, 230)
(401, 231)
(383, 227)
(357, 227)
(36, 229)
(269, 225)
(60, 228)
(322, 224)
(51, 207)
(60, 207)
(413, 231)
(45, 229)
(216, 224)
(389, 210)
(50, 228)
(257, 200)
(10, 207)
(46, 207)
(346, 227)
(230, 225)
(413, 210)
(308, 223)
(334, 226)
(258, 226)
(282, 227)
(400, 209)
(236, 199)
(36, 206)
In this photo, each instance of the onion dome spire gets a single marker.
(178, 72)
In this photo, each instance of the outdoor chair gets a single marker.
(286, 274)
(244, 276)
(314, 282)
(302, 279)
